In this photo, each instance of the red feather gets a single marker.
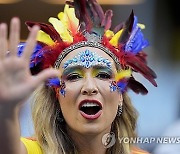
(135, 62)
(90, 14)
(82, 15)
(142, 56)
(107, 20)
(127, 29)
(140, 67)
(47, 29)
(136, 86)
(99, 10)
(118, 27)
(51, 53)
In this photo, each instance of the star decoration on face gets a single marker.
(62, 88)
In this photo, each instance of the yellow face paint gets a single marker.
(102, 72)
(123, 74)
(73, 73)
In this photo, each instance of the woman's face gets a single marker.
(89, 106)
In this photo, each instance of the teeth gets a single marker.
(89, 104)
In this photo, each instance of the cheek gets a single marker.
(111, 98)
(106, 90)
(68, 102)
(71, 89)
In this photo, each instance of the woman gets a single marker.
(82, 107)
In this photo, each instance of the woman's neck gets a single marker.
(88, 143)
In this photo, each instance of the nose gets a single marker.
(89, 87)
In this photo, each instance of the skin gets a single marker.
(16, 84)
(88, 84)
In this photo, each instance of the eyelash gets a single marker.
(103, 75)
(73, 77)
(100, 75)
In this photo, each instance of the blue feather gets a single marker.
(136, 41)
(122, 86)
(54, 82)
(36, 56)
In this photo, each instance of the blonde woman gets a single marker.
(81, 71)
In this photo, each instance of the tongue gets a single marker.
(90, 110)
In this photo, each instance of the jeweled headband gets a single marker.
(84, 23)
(85, 44)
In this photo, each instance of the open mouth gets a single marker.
(90, 109)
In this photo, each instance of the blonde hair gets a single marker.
(52, 135)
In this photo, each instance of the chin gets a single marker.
(93, 129)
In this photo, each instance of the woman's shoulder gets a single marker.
(136, 150)
(32, 146)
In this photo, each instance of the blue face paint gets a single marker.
(62, 88)
(118, 86)
(87, 59)
(113, 86)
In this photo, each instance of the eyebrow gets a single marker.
(103, 67)
(78, 67)
(71, 69)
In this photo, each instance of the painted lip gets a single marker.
(87, 116)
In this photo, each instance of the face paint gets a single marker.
(73, 73)
(102, 72)
(113, 86)
(120, 82)
(62, 88)
(58, 85)
(87, 59)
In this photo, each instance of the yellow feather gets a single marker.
(61, 29)
(61, 15)
(142, 26)
(114, 40)
(68, 18)
(123, 74)
(109, 34)
(45, 38)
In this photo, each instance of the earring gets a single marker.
(59, 116)
(119, 111)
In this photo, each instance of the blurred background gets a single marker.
(158, 111)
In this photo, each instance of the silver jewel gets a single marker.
(98, 45)
(87, 59)
(119, 111)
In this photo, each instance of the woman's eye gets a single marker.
(73, 77)
(103, 75)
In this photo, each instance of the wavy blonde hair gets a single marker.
(52, 135)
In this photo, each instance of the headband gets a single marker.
(84, 23)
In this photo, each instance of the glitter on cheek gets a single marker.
(71, 74)
(62, 88)
(113, 86)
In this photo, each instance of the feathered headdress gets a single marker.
(81, 20)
